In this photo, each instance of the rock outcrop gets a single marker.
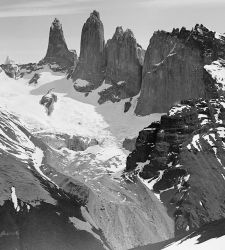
(48, 101)
(123, 63)
(181, 158)
(129, 144)
(58, 52)
(34, 79)
(173, 68)
(11, 68)
(91, 65)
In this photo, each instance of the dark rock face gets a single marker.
(174, 68)
(34, 79)
(123, 58)
(91, 65)
(183, 160)
(48, 101)
(57, 49)
(129, 144)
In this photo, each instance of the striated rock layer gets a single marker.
(173, 68)
(182, 159)
(58, 51)
(91, 65)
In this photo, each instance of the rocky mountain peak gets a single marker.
(56, 24)
(95, 14)
(123, 66)
(118, 33)
(91, 61)
(128, 34)
(58, 51)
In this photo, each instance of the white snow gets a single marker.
(217, 71)
(120, 82)
(219, 36)
(195, 143)
(14, 199)
(210, 138)
(74, 114)
(192, 244)
(150, 183)
(81, 83)
(177, 109)
(37, 157)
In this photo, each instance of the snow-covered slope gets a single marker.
(93, 176)
(74, 114)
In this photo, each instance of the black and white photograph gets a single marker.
(112, 124)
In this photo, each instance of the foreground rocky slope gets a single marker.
(174, 68)
(108, 211)
(35, 213)
(182, 160)
(210, 236)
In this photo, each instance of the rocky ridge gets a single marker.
(173, 68)
(181, 159)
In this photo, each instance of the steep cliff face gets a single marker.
(124, 63)
(174, 67)
(57, 48)
(181, 159)
(91, 65)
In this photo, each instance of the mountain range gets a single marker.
(117, 148)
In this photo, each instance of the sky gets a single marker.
(24, 24)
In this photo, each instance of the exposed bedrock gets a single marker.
(182, 160)
(173, 68)
(58, 51)
(124, 59)
(91, 65)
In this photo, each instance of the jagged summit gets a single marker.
(173, 68)
(56, 24)
(58, 51)
(95, 14)
(118, 33)
(121, 34)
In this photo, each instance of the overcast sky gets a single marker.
(24, 24)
